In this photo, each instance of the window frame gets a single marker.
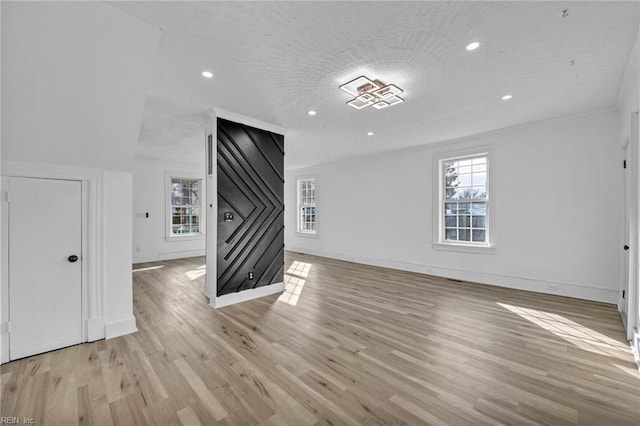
(299, 231)
(439, 241)
(169, 235)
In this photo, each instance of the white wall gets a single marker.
(1, 271)
(119, 317)
(74, 81)
(150, 242)
(628, 102)
(629, 92)
(74, 78)
(557, 209)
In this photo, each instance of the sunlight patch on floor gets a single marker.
(292, 290)
(572, 332)
(631, 370)
(150, 268)
(196, 273)
(294, 282)
(300, 269)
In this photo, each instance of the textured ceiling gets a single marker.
(274, 61)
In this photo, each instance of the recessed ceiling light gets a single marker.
(507, 97)
(311, 112)
(370, 134)
(473, 46)
(207, 74)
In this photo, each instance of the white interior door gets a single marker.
(45, 280)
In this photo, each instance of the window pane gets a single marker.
(478, 235)
(450, 178)
(479, 209)
(450, 221)
(463, 208)
(464, 169)
(478, 222)
(479, 192)
(465, 180)
(479, 179)
(450, 170)
(468, 193)
(479, 160)
(464, 235)
(451, 194)
(464, 221)
(450, 208)
(479, 168)
(451, 234)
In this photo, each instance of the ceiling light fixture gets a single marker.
(207, 74)
(311, 112)
(370, 134)
(507, 97)
(373, 93)
(473, 46)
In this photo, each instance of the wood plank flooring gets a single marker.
(346, 344)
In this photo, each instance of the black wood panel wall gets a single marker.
(251, 195)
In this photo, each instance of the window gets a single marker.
(464, 204)
(184, 217)
(307, 206)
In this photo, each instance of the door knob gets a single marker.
(72, 258)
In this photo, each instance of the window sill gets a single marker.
(464, 248)
(307, 234)
(177, 238)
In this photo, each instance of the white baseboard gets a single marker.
(635, 346)
(95, 329)
(180, 254)
(120, 328)
(243, 296)
(575, 290)
(4, 350)
(168, 255)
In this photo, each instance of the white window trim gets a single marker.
(169, 237)
(299, 233)
(439, 243)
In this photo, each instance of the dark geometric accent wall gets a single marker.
(250, 207)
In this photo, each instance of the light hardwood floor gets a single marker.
(347, 344)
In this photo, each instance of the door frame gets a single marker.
(633, 299)
(627, 259)
(632, 213)
(93, 295)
